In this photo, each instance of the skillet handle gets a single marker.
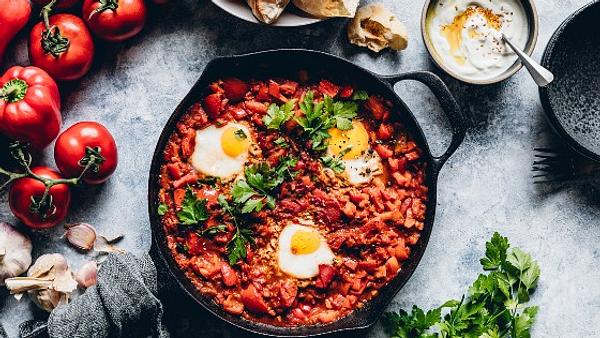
(448, 103)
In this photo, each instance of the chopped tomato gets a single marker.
(253, 300)
(209, 194)
(174, 170)
(385, 131)
(287, 292)
(274, 89)
(255, 107)
(178, 196)
(375, 105)
(228, 274)
(328, 88)
(346, 92)
(235, 89)
(208, 264)
(384, 151)
(288, 88)
(326, 275)
(185, 180)
(212, 105)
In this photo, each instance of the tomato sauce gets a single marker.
(369, 227)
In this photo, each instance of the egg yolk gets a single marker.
(356, 139)
(305, 242)
(234, 141)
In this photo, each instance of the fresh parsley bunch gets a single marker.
(320, 116)
(494, 307)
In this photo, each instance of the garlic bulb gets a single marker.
(81, 235)
(87, 274)
(49, 282)
(15, 252)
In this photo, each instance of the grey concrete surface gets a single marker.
(485, 187)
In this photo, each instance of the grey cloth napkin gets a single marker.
(123, 303)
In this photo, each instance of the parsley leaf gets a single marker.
(193, 210)
(495, 252)
(493, 308)
(276, 116)
(319, 117)
(335, 163)
(281, 143)
(360, 95)
(236, 248)
(213, 230)
(240, 134)
(162, 209)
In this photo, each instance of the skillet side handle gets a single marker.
(448, 103)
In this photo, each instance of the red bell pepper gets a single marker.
(14, 14)
(29, 106)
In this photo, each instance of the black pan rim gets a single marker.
(549, 112)
(159, 238)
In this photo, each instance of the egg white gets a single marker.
(301, 266)
(209, 157)
(363, 169)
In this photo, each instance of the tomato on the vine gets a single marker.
(115, 20)
(37, 210)
(62, 46)
(84, 142)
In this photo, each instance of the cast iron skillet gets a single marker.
(572, 101)
(286, 63)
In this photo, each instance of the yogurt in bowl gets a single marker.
(466, 37)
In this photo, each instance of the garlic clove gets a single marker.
(87, 274)
(81, 235)
(15, 252)
(21, 284)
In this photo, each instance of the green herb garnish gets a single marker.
(162, 209)
(281, 143)
(494, 307)
(240, 134)
(213, 230)
(335, 163)
(193, 210)
(256, 191)
(236, 248)
(276, 115)
(319, 117)
(360, 95)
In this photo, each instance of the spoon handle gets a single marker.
(541, 75)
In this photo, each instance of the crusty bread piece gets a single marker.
(267, 11)
(328, 8)
(376, 28)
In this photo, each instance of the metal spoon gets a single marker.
(541, 75)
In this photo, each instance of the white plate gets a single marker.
(289, 18)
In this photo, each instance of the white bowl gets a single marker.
(291, 17)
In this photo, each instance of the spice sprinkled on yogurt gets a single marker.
(467, 35)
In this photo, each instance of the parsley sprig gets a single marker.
(320, 116)
(256, 191)
(193, 210)
(236, 248)
(253, 194)
(276, 115)
(494, 308)
(335, 163)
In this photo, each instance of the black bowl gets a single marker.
(572, 101)
(287, 63)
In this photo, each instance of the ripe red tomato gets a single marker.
(25, 190)
(116, 20)
(77, 143)
(67, 52)
(61, 4)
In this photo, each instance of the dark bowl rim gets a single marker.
(432, 175)
(544, 91)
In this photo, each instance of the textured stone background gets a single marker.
(485, 187)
